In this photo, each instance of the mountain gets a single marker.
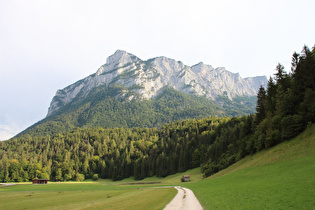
(129, 92)
(148, 78)
(72, 144)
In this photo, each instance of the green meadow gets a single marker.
(279, 178)
(84, 196)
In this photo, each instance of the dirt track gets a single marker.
(185, 199)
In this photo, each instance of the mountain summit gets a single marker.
(148, 78)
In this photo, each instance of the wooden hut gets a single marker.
(186, 178)
(40, 181)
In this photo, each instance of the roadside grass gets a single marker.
(279, 178)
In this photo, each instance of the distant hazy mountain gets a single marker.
(148, 78)
(130, 92)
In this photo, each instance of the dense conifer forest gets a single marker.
(283, 110)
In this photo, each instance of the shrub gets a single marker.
(79, 177)
(95, 177)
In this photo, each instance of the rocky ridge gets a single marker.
(149, 77)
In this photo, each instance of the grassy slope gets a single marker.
(279, 178)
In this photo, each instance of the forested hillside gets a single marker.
(283, 110)
(109, 107)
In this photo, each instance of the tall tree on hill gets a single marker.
(281, 74)
(304, 84)
(284, 98)
(270, 103)
(295, 62)
(260, 107)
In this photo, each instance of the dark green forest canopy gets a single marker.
(283, 110)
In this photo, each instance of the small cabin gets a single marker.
(186, 178)
(40, 181)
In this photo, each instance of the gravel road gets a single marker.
(184, 200)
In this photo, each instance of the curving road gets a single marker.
(184, 200)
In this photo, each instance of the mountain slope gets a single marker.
(128, 92)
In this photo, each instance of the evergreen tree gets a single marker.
(270, 102)
(260, 107)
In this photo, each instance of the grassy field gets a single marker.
(84, 196)
(125, 194)
(280, 178)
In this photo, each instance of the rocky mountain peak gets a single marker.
(148, 78)
(120, 57)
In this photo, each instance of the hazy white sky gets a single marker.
(47, 45)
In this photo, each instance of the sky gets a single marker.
(46, 45)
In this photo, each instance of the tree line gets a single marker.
(283, 110)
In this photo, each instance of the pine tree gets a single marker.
(270, 104)
(280, 75)
(260, 107)
(295, 62)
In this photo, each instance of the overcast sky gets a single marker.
(47, 45)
